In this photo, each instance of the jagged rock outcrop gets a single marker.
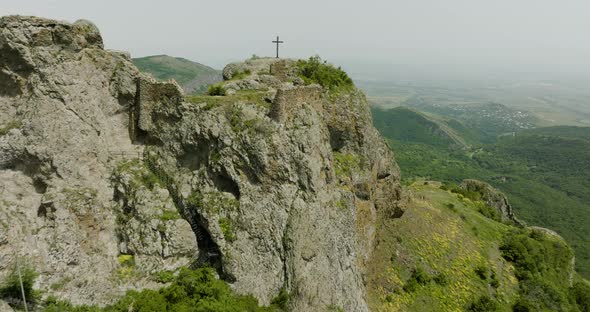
(276, 185)
(287, 190)
(150, 228)
(65, 106)
(494, 198)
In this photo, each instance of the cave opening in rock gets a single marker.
(209, 253)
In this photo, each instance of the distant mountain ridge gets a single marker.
(490, 119)
(569, 132)
(193, 77)
(408, 125)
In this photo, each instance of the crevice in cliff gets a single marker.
(286, 244)
(40, 185)
(136, 134)
(225, 183)
(209, 252)
(10, 84)
(337, 139)
(207, 155)
(194, 158)
(32, 167)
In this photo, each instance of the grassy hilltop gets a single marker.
(192, 76)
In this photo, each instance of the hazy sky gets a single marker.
(429, 38)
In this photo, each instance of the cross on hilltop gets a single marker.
(278, 42)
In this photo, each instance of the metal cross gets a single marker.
(278, 42)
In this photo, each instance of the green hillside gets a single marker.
(488, 119)
(444, 255)
(548, 178)
(562, 131)
(545, 172)
(192, 76)
(407, 125)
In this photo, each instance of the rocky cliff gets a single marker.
(493, 198)
(65, 104)
(109, 178)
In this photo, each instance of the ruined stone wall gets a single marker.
(152, 93)
(290, 100)
(279, 70)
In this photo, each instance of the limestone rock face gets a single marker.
(4, 307)
(286, 191)
(149, 226)
(65, 106)
(108, 176)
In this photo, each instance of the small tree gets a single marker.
(418, 277)
(581, 293)
(315, 70)
(216, 90)
(481, 271)
(484, 304)
(10, 288)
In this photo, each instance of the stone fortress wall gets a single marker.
(151, 93)
(289, 100)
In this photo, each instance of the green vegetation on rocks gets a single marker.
(282, 300)
(140, 174)
(427, 259)
(581, 292)
(484, 304)
(543, 267)
(418, 277)
(9, 126)
(168, 215)
(241, 74)
(127, 269)
(213, 202)
(537, 254)
(346, 163)
(227, 228)
(315, 70)
(238, 122)
(477, 196)
(216, 90)
(10, 288)
(164, 276)
(191, 290)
